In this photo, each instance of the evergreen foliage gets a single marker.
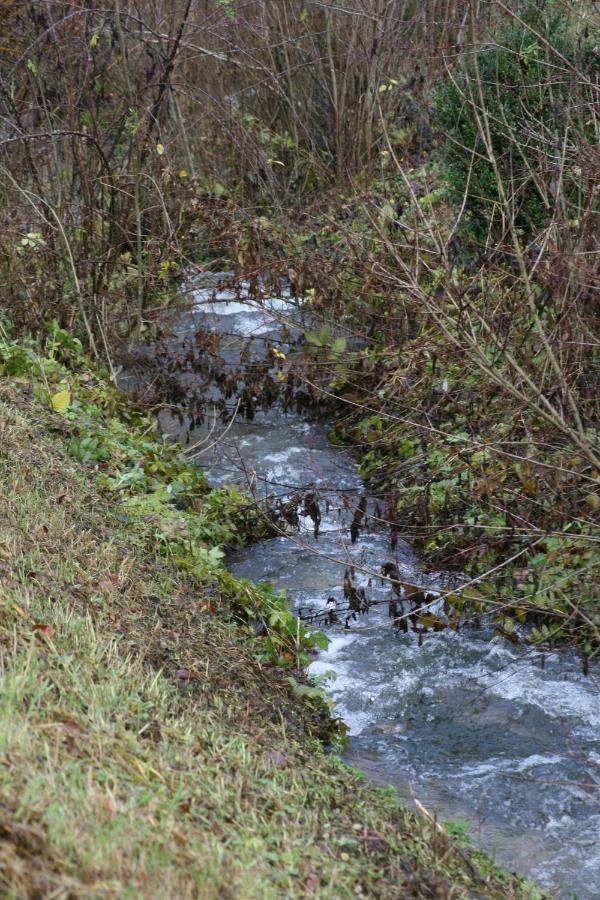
(527, 87)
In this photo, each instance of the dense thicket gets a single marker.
(518, 116)
(428, 172)
(124, 124)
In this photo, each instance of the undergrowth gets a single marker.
(146, 750)
(186, 520)
(484, 482)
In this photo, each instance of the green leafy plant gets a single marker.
(323, 339)
(159, 488)
(516, 111)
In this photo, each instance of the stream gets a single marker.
(477, 729)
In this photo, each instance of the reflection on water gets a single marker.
(474, 728)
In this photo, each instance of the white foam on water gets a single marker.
(556, 698)
(336, 646)
(480, 770)
(405, 683)
(538, 759)
(280, 304)
(307, 526)
(493, 765)
(558, 824)
(504, 672)
(252, 325)
(319, 667)
(225, 302)
(499, 652)
(221, 303)
(356, 721)
(283, 456)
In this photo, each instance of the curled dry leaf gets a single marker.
(357, 521)
(108, 583)
(179, 838)
(46, 630)
(106, 802)
(311, 883)
(209, 607)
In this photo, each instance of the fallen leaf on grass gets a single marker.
(209, 607)
(107, 802)
(311, 883)
(71, 726)
(61, 401)
(277, 759)
(47, 630)
(108, 583)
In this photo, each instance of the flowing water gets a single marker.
(475, 728)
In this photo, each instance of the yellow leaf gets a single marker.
(183, 173)
(61, 401)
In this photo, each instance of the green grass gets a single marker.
(145, 749)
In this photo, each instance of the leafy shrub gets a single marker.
(533, 87)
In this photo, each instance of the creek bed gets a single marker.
(475, 728)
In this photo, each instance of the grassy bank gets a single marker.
(151, 745)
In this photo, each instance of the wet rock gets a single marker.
(384, 728)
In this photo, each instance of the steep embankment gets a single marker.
(146, 749)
